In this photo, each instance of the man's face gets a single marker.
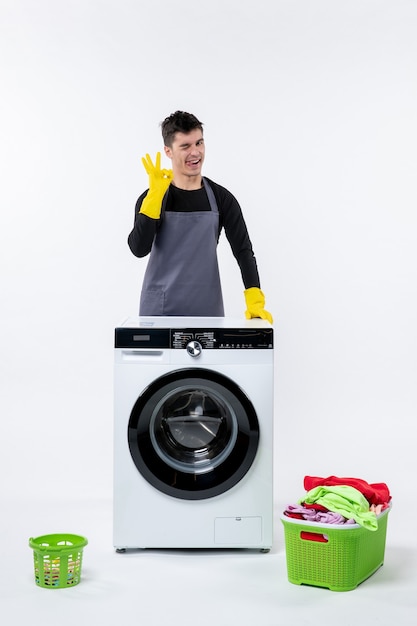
(187, 153)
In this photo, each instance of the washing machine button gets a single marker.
(194, 348)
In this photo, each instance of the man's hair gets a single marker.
(178, 122)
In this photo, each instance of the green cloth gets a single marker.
(346, 500)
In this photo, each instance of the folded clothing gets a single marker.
(340, 500)
(345, 500)
(375, 493)
(320, 515)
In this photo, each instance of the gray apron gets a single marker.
(182, 275)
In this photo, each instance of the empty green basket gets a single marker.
(58, 560)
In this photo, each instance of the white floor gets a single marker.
(155, 587)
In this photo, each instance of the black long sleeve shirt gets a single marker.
(231, 219)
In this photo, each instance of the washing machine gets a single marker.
(193, 433)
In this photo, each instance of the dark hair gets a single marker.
(178, 122)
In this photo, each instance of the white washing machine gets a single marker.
(193, 433)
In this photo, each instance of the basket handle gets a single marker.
(309, 536)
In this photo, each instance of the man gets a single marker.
(178, 221)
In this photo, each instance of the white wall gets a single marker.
(310, 120)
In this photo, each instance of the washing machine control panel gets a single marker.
(195, 340)
(222, 339)
(192, 339)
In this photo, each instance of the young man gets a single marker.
(178, 220)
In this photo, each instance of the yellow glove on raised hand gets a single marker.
(255, 302)
(159, 181)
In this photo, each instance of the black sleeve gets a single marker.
(141, 237)
(237, 235)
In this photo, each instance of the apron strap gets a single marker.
(210, 195)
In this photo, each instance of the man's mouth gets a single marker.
(194, 162)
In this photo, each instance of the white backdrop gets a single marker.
(310, 114)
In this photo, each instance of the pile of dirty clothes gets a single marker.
(335, 500)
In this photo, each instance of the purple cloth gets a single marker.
(311, 515)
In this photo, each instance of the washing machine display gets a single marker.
(193, 433)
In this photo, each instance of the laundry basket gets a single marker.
(57, 560)
(338, 557)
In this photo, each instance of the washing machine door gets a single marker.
(193, 434)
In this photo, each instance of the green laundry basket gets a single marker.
(58, 559)
(336, 556)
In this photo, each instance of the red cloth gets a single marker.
(375, 493)
(315, 506)
(294, 515)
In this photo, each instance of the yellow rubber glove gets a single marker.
(255, 302)
(159, 181)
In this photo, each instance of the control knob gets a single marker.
(194, 348)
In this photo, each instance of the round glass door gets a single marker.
(193, 434)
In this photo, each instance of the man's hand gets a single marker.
(159, 181)
(255, 303)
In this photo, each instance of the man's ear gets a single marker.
(168, 152)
